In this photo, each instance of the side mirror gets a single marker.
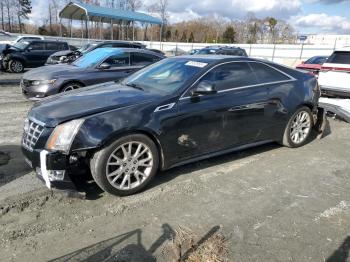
(204, 88)
(303, 62)
(104, 66)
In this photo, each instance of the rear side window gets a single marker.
(37, 46)
(339, 58)
(266, 74)
(106, 45)
(120, 60)
(56, 46)
(231, 75)
(121, 45)
(142, 59)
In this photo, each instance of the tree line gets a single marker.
(208, 29)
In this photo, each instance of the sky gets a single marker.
(307, 16)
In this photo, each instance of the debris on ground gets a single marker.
(340, 108)
(186, 246)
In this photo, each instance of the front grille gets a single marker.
(31, 135)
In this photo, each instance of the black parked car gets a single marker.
(98, 66)
(71, 56)
(222, 50)
(176, 111)
(29, 54)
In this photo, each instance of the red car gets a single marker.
(313, 64)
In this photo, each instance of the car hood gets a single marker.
(51, 72)
(87, 101)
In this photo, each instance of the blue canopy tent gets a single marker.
(85, 12)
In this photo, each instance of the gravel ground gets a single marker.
(271, 203)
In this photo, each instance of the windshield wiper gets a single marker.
(136, 86)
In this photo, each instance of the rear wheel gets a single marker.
(125, 166)
(299, 128)
(16, 66)
(71, 87)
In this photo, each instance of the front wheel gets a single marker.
(71, 87)
(299, 128)
(16, 66)
(125, 166)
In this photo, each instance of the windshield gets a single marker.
(166, 76)
(21, 45)
(93, 58)
(206, 51)
(86, 48)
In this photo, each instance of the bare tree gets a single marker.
(2, 15)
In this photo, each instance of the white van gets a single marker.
(334, 78)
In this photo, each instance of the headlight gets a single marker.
(43, 82)
(62, 137)
(26, 125)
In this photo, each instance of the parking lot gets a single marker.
(270, 203)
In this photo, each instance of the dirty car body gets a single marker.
(175, 110)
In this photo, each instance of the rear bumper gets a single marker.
(335, 92)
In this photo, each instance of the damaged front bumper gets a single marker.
(52, 168)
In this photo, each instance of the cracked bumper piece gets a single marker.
(51, 168)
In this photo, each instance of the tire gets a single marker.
(111, 167)
(70, 86)
(299, 128)
(16, 66)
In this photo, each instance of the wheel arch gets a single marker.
(148, 133)
(71, 82)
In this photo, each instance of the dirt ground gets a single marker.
(269, 203)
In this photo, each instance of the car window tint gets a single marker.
(37, 46)
(141, 59)
(266, 74)
(340, 58)
(119, 60)
(230, 76)
(53, 46)
(320, 60)
(121, 45)
(106, 45)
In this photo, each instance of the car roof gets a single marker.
(214, 58)
(343, 49)
(44, 41)
(221, 47)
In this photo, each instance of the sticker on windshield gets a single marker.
(196, 64)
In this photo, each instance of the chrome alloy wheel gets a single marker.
(300, 128)
(16, 66)
(129, 165)
(70, 88)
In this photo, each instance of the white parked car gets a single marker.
(22, 38)
(334, 78)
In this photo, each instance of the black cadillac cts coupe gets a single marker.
(173, 112)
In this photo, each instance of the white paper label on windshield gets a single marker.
(196, 64)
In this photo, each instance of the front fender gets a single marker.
(101, 129)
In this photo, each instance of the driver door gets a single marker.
(36, 54)
(228, 118)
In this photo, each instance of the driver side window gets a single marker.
(120, 60)
(232, 75)
(37, 46)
